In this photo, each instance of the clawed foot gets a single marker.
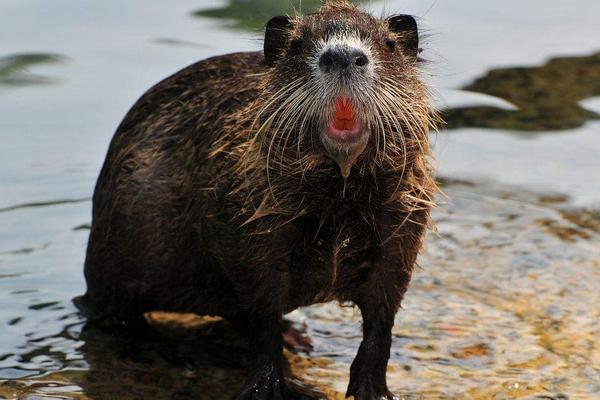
(295, 337)
(269, 385)
(369, 392)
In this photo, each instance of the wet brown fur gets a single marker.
(204, 205)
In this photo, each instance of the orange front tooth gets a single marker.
(344, 115)
(344, 109)
(350, 124)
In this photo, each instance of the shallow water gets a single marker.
(506, 302)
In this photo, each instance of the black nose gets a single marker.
(337, 59)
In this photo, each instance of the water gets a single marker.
(506, 302)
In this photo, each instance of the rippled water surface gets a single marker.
(506, 303)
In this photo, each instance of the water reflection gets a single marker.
(175, 357)
(205, 363)
(252, 15)
(14, 68)
(44, 204)
(547, 97)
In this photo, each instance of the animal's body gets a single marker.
(250, 184)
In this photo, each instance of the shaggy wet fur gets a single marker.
(218, 197)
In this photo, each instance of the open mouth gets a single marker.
(345, 135)
(345, 128)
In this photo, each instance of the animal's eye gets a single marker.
(391, 44)
(296, 46)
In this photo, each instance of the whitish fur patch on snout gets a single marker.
(348, 41)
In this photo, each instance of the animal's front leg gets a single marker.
(368, 371)
(265, 380)
(379, 297)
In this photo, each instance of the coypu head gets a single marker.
(343, 84)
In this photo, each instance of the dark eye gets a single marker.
(391, 44)
(296, 46)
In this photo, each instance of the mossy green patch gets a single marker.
(547, 97)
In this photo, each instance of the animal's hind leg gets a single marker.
(295, 337)
(113, 291)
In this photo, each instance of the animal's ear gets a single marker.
(276, 37)
(406, 28)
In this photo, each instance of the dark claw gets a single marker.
(295, 337)
(270, 388)
(254, 393)
(368, 392)
(266, 388)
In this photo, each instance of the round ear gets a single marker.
(276, 37)
(408, 33)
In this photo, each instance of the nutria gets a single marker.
(251, 184)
